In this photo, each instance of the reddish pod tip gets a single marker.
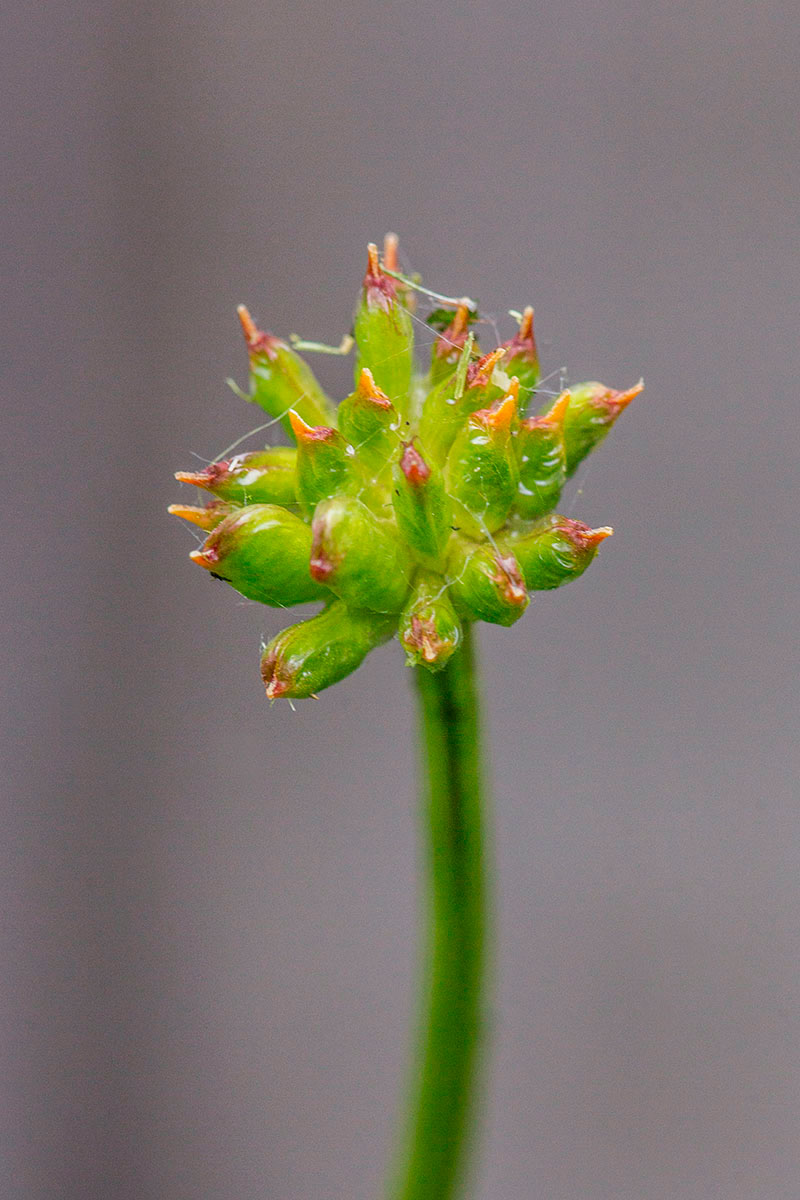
(499, 417)
(276, 688)
(374, 272)
(509, 580)
(480, 372)
(257, 340)
(368, 388)
(556, 414)
(453, 337)
(197, 478)
(309, 433)
(581, 536)
(619, 400)
(390, 243)
(205, 558)
(595, 536)
(413, 465)
(190, 512)
(526, 325)
(249, 328)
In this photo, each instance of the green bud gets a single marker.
(429, 630)
(521, 358)
(592, 410)
(481, 471)
(310, 656)
(325, 463)
(368, 420)
(358, 556)
(486, 585)
(542, 461)
(448, 346)
(384, 334)
(421, 507)
(450, 402)
(262, 477)
(280, 380)
(556, 553)
(262, 551)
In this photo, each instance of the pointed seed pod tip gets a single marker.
(197, 478)
(390, 242)
(197, 516)
(204, 558)
(499, 418)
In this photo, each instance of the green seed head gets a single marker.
(424, 501)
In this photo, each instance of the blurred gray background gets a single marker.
(208, 905)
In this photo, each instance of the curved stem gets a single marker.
(443, 1085)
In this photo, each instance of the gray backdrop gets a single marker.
(209, 905)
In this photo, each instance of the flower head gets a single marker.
(424, 500)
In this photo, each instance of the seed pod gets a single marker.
(421, 507)
(368, 420)
(207, 518)
(592, 410)
(280, 380)
(261, 477)
(448, 346)
(481, 471)
(262, 551)
(384, 334)
(429, 630)
(486, 585)
(555, 554)
(357, 556)
(310, 656)
(450, 402)
(521, 358)
(324, 463)
(542, 461)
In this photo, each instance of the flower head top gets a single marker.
(423, 500)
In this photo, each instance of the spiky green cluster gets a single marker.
(423, 501)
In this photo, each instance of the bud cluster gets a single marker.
(423, 501)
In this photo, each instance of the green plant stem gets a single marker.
(444, 1080)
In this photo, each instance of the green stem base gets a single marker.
(444, 1082)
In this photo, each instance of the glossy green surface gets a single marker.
(308, 657)
(359, 557)
(263, 552)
